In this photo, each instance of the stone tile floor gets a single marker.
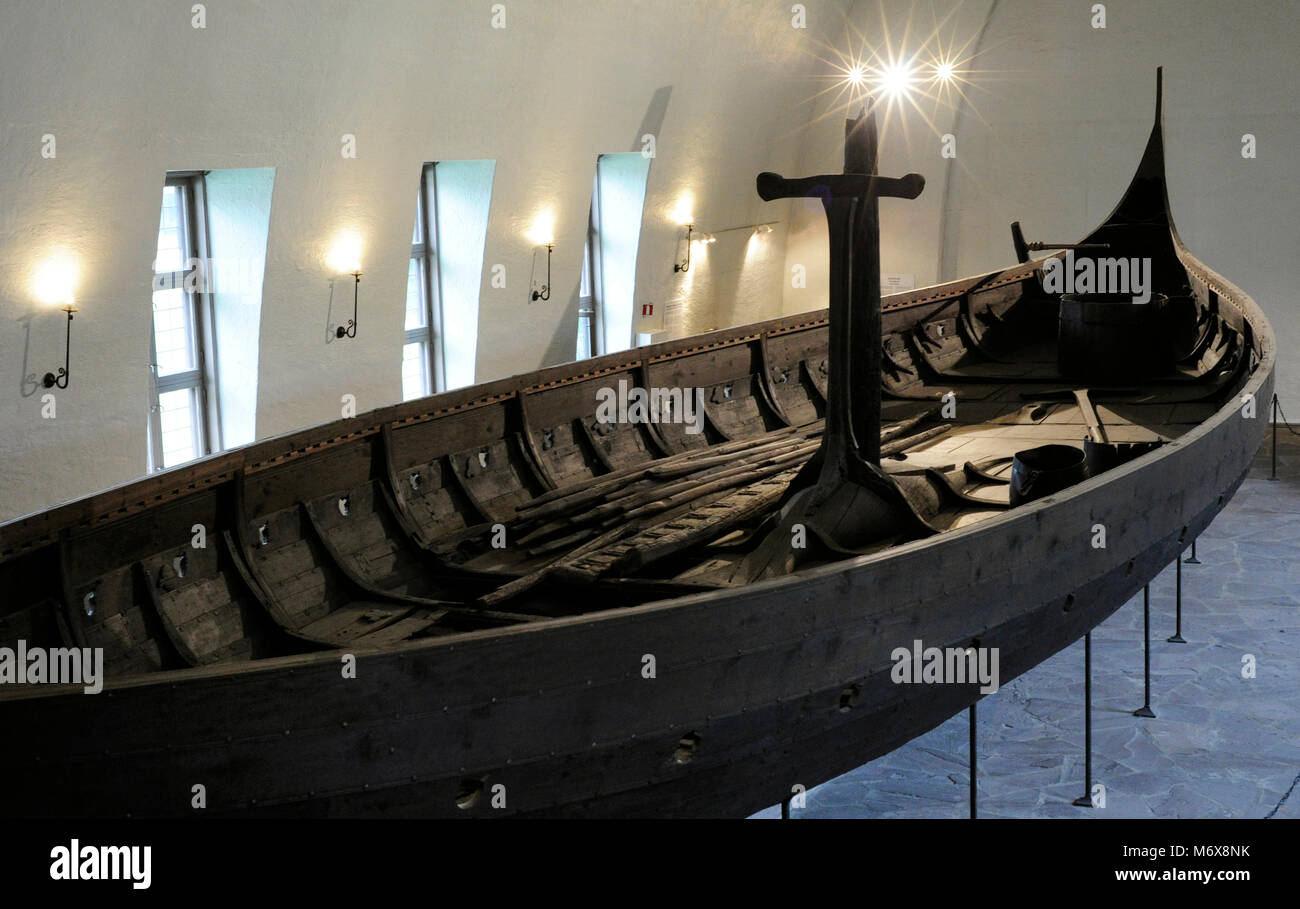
(1220, 745)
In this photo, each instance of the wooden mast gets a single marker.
(842, 495)
(853, 221)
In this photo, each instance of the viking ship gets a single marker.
(493, 602)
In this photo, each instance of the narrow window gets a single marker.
(181, 425)
(617, 201)
(418, 351)
(587, 345)
(237, 208)
(445, 276)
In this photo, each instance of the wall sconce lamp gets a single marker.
(60, 380)
(351, 330)
(545, 293)
(686, 265)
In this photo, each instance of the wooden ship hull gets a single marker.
(349, 643)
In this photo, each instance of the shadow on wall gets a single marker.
(565, 340)
(618, 202)
(28, 383)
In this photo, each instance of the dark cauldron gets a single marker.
(1041, 471)
(1108, 338)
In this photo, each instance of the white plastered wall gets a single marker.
(131, 90)
(1057, 117)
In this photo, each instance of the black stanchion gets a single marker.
(785, 808)
(1177, 637)
(1085, 800)
(1193, 560)
(1145, 710)
(1274, 474)
(972, 762)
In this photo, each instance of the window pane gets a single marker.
(171, 233)
(415, 308)
(179, 420)
(584, 285)
(419, 218)
(414, 372)
(584, 331)
(173, 331)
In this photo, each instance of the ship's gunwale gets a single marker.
(1025, 515)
